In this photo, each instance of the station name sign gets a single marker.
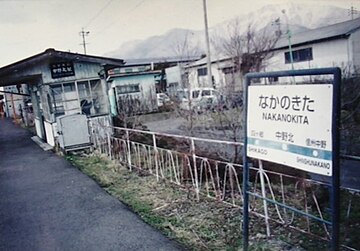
(62, 69)
(291, 125)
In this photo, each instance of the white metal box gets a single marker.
(73, 132)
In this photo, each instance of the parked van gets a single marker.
(197, 98)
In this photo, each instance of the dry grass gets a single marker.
(198, 225)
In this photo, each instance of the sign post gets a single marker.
(296, 126)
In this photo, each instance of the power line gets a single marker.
(98, 14)
(112, 23)
(84, 34)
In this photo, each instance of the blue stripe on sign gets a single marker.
(301, 150)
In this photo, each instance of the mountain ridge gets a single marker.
(180, 41)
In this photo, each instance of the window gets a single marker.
(273, 79)
(70, 100)
(58, 106)
(206, 93)
(97, 98)
(85, 97)
(84, 89)
(128, 70)
(195, 94)
(299, 55)
(202, 71)
(69, 87)
(228, 70)
(125, 89)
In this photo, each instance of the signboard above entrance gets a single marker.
(62, 69)
(291, 125)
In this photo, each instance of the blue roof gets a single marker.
(323, 33)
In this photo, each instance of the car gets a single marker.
(162, 99)
(199, 99)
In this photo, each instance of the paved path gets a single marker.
(46, 204)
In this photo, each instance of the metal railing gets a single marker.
(215, 178)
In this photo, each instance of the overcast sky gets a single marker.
(28, 27)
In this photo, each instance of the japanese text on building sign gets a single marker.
(63, 69)
(287, 103)
(295, 103)
(291, 125)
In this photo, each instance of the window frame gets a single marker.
(127, 87)
(300, 55)
(202, 71)
(59, 101)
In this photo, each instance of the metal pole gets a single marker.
(290, 49)
(263, 193)
(109, 143)
(209, 74)
(335, 189)
(128, 150)
(195, 169)
(288, 33)
(83, 34)
(245, 177)
(156, 157)
(16, 93)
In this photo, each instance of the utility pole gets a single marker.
(84, 34)
(209, 74)
(352, 11)
(288, 33)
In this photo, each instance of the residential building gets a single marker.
(224, 75)
(133, 92)
(335, 45)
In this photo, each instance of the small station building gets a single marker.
(62, 83)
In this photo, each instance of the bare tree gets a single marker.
(350, 110)
(185, 49)
(248, 51)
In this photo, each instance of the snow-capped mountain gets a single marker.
(297, 17)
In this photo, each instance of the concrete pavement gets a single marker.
(47, 204)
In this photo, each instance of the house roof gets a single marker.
(203, 61)
(329, 32)
(54, 55)
(148, 61)
(140, 73)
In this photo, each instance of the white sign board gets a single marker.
(291, 125)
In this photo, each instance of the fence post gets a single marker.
(129, 150)
(109, 144)
(156, 157)
(263, 193)
(195, 169)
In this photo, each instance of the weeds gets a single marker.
(199, 225)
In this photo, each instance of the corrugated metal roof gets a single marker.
(323, 33)
(145, 61)
(203, 61)
(55, 54)
(7, 76)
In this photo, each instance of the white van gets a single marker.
(197, 98)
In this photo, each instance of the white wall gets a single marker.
(325, 54)
(38, 129)
(196, 81)
(49, 131)
(173, 74)
(354, 45)
(147, 93)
